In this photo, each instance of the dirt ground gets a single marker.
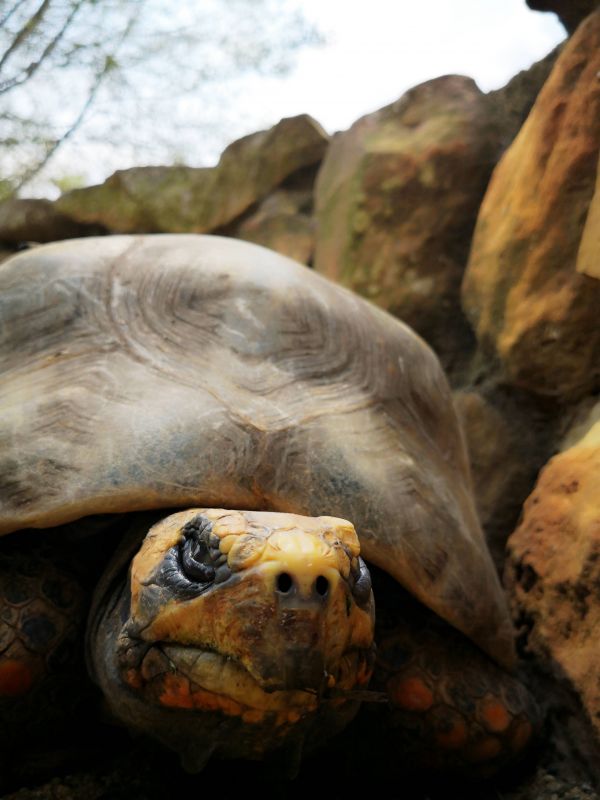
(119, 768)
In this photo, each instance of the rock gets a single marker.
(527, 303)
(396, 201)
(545, 785)
(283, 221)
(508, 441)
(588, 257)
(513, 102)
(183, 199)
(581, 423)
(292, 235)
(38, 221)
(553, 571)
(570, 12)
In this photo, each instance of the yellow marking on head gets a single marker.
(343, 530)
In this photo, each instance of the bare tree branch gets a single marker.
(33, 67)
(25, 32)
(10, 12)
(105, 70)
(61, 57)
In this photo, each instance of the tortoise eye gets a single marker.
(195, 552)
(362, 583)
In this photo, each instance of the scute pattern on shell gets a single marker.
(175, 371)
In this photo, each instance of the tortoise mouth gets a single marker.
(189, 677)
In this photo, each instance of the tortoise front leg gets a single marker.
(450, 706)
(41, 615)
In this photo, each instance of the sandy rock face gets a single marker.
(396, 201)
(182, 199)
(553, 570)
(514, 101)
(527, 302)
(588, 257)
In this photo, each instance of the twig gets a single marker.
(25, 31)
(33, 67)
(107, 66)
(10, 12)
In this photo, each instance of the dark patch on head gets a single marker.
(190, 567)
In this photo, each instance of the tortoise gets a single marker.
(235, 434)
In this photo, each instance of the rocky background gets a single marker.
(476, 219)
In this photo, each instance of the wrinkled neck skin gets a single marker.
(240, 634)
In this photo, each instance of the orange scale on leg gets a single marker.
(411, 694)
(484, 750)
(454, 737)
(495, 716)
(16, 678)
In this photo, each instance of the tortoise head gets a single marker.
(237, 632)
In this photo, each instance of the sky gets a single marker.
(376, 50)
(373, 51)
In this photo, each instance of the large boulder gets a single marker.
(553, 571)
(183, 199)
(588, 257)
(283, 221)
(570, 12)
(38, 221)
(528, 304)
(512, 103)
(508, 440)
(396, 201)
(287, 232)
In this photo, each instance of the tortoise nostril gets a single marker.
(284, 583)
(322, 585)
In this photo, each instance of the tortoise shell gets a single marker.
(145, 372)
